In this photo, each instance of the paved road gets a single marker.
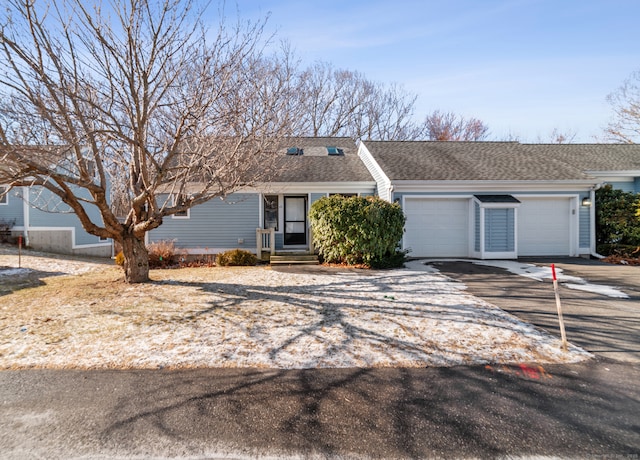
(589, 410)
(606, 326)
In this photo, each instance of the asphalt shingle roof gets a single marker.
(593, 157)
(316, 165)
(499, 161)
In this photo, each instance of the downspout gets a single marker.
(25, 214)
(592, 222)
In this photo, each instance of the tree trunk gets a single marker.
(136, 259)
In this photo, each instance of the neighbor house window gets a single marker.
(177, 201)
(4, 196)
(271, 212)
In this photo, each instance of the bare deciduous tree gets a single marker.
(335, 102)
(625, 101)
(138, 96)
(447, 126)
(558, 137)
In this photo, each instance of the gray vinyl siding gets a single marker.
(636, 184)
(316, 196)
(499, 234)
(476, 230)
(279, 241)
(14, 209)
(215, 224)
(625, 186)
(49, 212)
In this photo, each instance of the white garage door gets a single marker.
(544, 227)
(437, 227)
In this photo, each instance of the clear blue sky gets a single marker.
(523, 67)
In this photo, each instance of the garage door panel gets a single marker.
(544, 226)
(437, 227)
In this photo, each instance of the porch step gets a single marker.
(297, 259)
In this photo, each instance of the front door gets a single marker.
(295, 220)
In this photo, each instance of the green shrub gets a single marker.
(236, 258)
(621, 250)
(358, 230)
(617, 218)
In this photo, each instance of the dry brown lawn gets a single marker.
(66, 313)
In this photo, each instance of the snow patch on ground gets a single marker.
(260, 317)
(598, 289)
(543, 273)
(31, 261)
(8, 271)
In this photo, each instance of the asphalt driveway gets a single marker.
(608, 327)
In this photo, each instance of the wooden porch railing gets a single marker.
(266, 241)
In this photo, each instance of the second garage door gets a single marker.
(437, 227)
(544, 227)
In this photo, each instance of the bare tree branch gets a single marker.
(138, 100)
(625, 102)
(447, 126)
(558, 137)
(335, 102)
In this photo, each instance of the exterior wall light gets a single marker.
(586, 202)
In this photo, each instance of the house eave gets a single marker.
(400, 186)
(314, 187)
(616, 176)
(626, 173)
(297, 187)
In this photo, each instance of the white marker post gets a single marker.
(559, 305)
(20, 251)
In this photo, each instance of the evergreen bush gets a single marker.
(617, 220)
(357, 230)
